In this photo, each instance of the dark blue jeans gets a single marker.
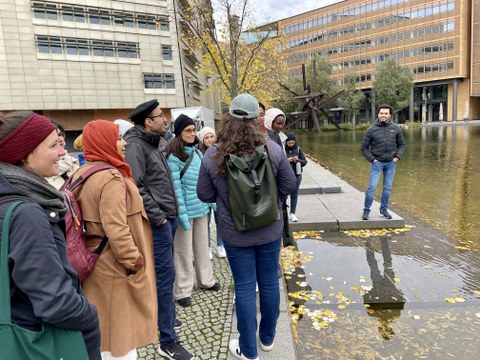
(251, 265)
(294, 195)
(376, 169)
(219, 234)
(165, 277)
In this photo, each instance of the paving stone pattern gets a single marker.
(207, 323)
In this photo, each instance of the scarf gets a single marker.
(34, 187)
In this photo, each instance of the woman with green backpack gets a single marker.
(44, 312)
(252, 243)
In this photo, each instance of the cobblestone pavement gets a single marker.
(207, 323)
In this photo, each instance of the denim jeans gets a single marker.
(376, 169)
(294, 196)
(219, 234)
(165, 277)
(251, 265)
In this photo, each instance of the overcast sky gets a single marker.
(280, 9)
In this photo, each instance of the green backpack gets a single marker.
(252, 188)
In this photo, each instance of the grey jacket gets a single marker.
(213, 188)
(383, 142)
(151, 174)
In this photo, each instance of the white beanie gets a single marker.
(124, 125)
(206, 130)
(270, 115)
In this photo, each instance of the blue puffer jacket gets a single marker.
(189, 205)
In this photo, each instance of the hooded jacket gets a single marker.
(383, 142)
(151, 174)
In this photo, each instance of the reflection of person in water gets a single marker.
(385, 300)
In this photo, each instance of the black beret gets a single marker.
(181, 122)
(141, 112)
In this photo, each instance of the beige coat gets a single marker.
(127, 306)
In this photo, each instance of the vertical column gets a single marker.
(410, 106)
(454, 100)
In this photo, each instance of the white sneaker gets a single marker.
(267, 347)
(221, 252)
(234, 348)
(293, 218)
(210, 253)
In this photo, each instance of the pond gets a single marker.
(434, 181)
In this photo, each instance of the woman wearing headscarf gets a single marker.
(253, 255)
(191, 236)
(44, 287)
(122, 283)
(274, 122)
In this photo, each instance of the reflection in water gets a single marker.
(385, 301)
(434, 181)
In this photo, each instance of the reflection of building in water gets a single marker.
(384, 299)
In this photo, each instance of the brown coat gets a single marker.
(127, 305)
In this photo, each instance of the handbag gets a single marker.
(17, 343)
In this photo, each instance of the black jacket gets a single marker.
(383, 142)
(43, 285)
(151, 174)
(298, 152)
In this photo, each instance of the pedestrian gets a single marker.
(45, 289)
(191, 238)
(153, 178)
(67, 164)
(207, 138)
(253, 255)
(297, 160)
(274, 122)
(383, 146)
(261, 119)
(124, 275)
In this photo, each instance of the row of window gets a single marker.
(98, 16)
(417, 70)
(418, 12)
(78, 46)
(159, 81)
(396, 36)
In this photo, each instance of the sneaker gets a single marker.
(267, 347)
(185, 302)
(178, 324)
(210, 255)
(174, 351)
(214, 287)
(221, 252)
(365, 214)
(385, 214)
(293, 218)
(234, 348)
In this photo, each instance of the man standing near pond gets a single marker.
(383, 146)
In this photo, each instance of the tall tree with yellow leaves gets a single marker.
(242, 57)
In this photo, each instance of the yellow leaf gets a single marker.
(396, 279)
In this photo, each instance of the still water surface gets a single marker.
(436, 180)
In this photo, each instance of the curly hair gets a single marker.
(176, 147)
(238, 137)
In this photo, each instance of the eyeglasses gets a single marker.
(159, 115)
(189, 131)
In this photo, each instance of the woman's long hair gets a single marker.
(176, 146)
(238, 137)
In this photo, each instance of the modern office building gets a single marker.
(439, 40)
(78, 60)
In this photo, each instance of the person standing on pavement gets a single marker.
(297, 160)
(253, 255)
(153, 178)
(207, 138)
(191, 238)
(383, 145)
(261, 118)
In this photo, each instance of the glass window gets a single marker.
(167, 52)
(169, 81)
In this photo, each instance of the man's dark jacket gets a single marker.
(151, 174)
(383, 142)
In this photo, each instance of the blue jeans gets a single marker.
(219, 234)
(294, 196)
(251, 265)
(376, 169)
(165, 277)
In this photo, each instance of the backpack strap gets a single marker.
(72, 185)
(187, 164)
